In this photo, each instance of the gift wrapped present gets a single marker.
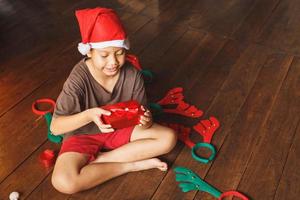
(123, 114)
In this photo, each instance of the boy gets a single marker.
(103, 78)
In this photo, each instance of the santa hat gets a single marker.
(100, 28)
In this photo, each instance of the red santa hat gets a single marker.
(100, 28)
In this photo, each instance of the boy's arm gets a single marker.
(139, 92)
(64, 124)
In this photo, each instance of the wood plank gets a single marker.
(175, 12)
(220, 68)
(28, 175)
(228, 168)
(155, 24)
(266, 163)
(67, 10)
(282, 31)
(160, 45)
(219, 17)
(46, 191)
(156, 8)
(175, 57)
(34, 74)
(26, 131)
(135, 22)
(137, 6)
(177, 54)
(148, 33)
(197, 62)
(226, 17)
(196, 13)
(40, 23)
(288, 187)
(251, 27)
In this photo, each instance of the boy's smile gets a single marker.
(111, 70)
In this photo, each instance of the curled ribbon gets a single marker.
(129, 110)
(123, 114)
(126, 112)
(47, 158)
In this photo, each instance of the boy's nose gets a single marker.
(113, 61)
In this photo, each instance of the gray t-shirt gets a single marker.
(81, 91)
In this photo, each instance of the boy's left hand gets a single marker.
(146, 119)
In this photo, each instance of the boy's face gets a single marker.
(108, 60)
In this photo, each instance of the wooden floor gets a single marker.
(236, 60)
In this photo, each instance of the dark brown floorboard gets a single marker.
(236, 60)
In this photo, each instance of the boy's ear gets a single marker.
(89, 54)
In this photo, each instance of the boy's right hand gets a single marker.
(94, 114)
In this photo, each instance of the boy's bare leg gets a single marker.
(71, 174)
(145, 143)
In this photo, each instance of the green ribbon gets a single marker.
(155, 108)
(148, 75)
(191, 181)
(203, 145)
(51, 137)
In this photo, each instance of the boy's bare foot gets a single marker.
(149, 164)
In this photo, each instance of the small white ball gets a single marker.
(14, 196)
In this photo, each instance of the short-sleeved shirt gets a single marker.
(81, 92)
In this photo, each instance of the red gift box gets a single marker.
(123, 114)
(47, 158)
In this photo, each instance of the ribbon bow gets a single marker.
(129, 110)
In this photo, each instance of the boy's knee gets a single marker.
(64, 183)
(169, 139)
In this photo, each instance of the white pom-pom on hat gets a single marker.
(14, 196)
(84, 48)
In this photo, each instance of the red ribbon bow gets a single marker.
(123, 114)
(129, 110)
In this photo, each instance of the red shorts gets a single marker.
(93, 143)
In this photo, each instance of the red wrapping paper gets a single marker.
(123, 114)
(47, 158)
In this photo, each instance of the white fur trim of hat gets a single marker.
(85, 48)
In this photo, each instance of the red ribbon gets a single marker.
(128, 110)
(134, 61)
(183, 133)
(173, 96)
(207, 128)
(47, 158)
(41, 112)
(234, 194)
(123, 114)
(185, 110)
(128, 113)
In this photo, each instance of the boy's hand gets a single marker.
(94, 114)
(146, 120)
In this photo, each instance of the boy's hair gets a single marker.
(100, 28)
